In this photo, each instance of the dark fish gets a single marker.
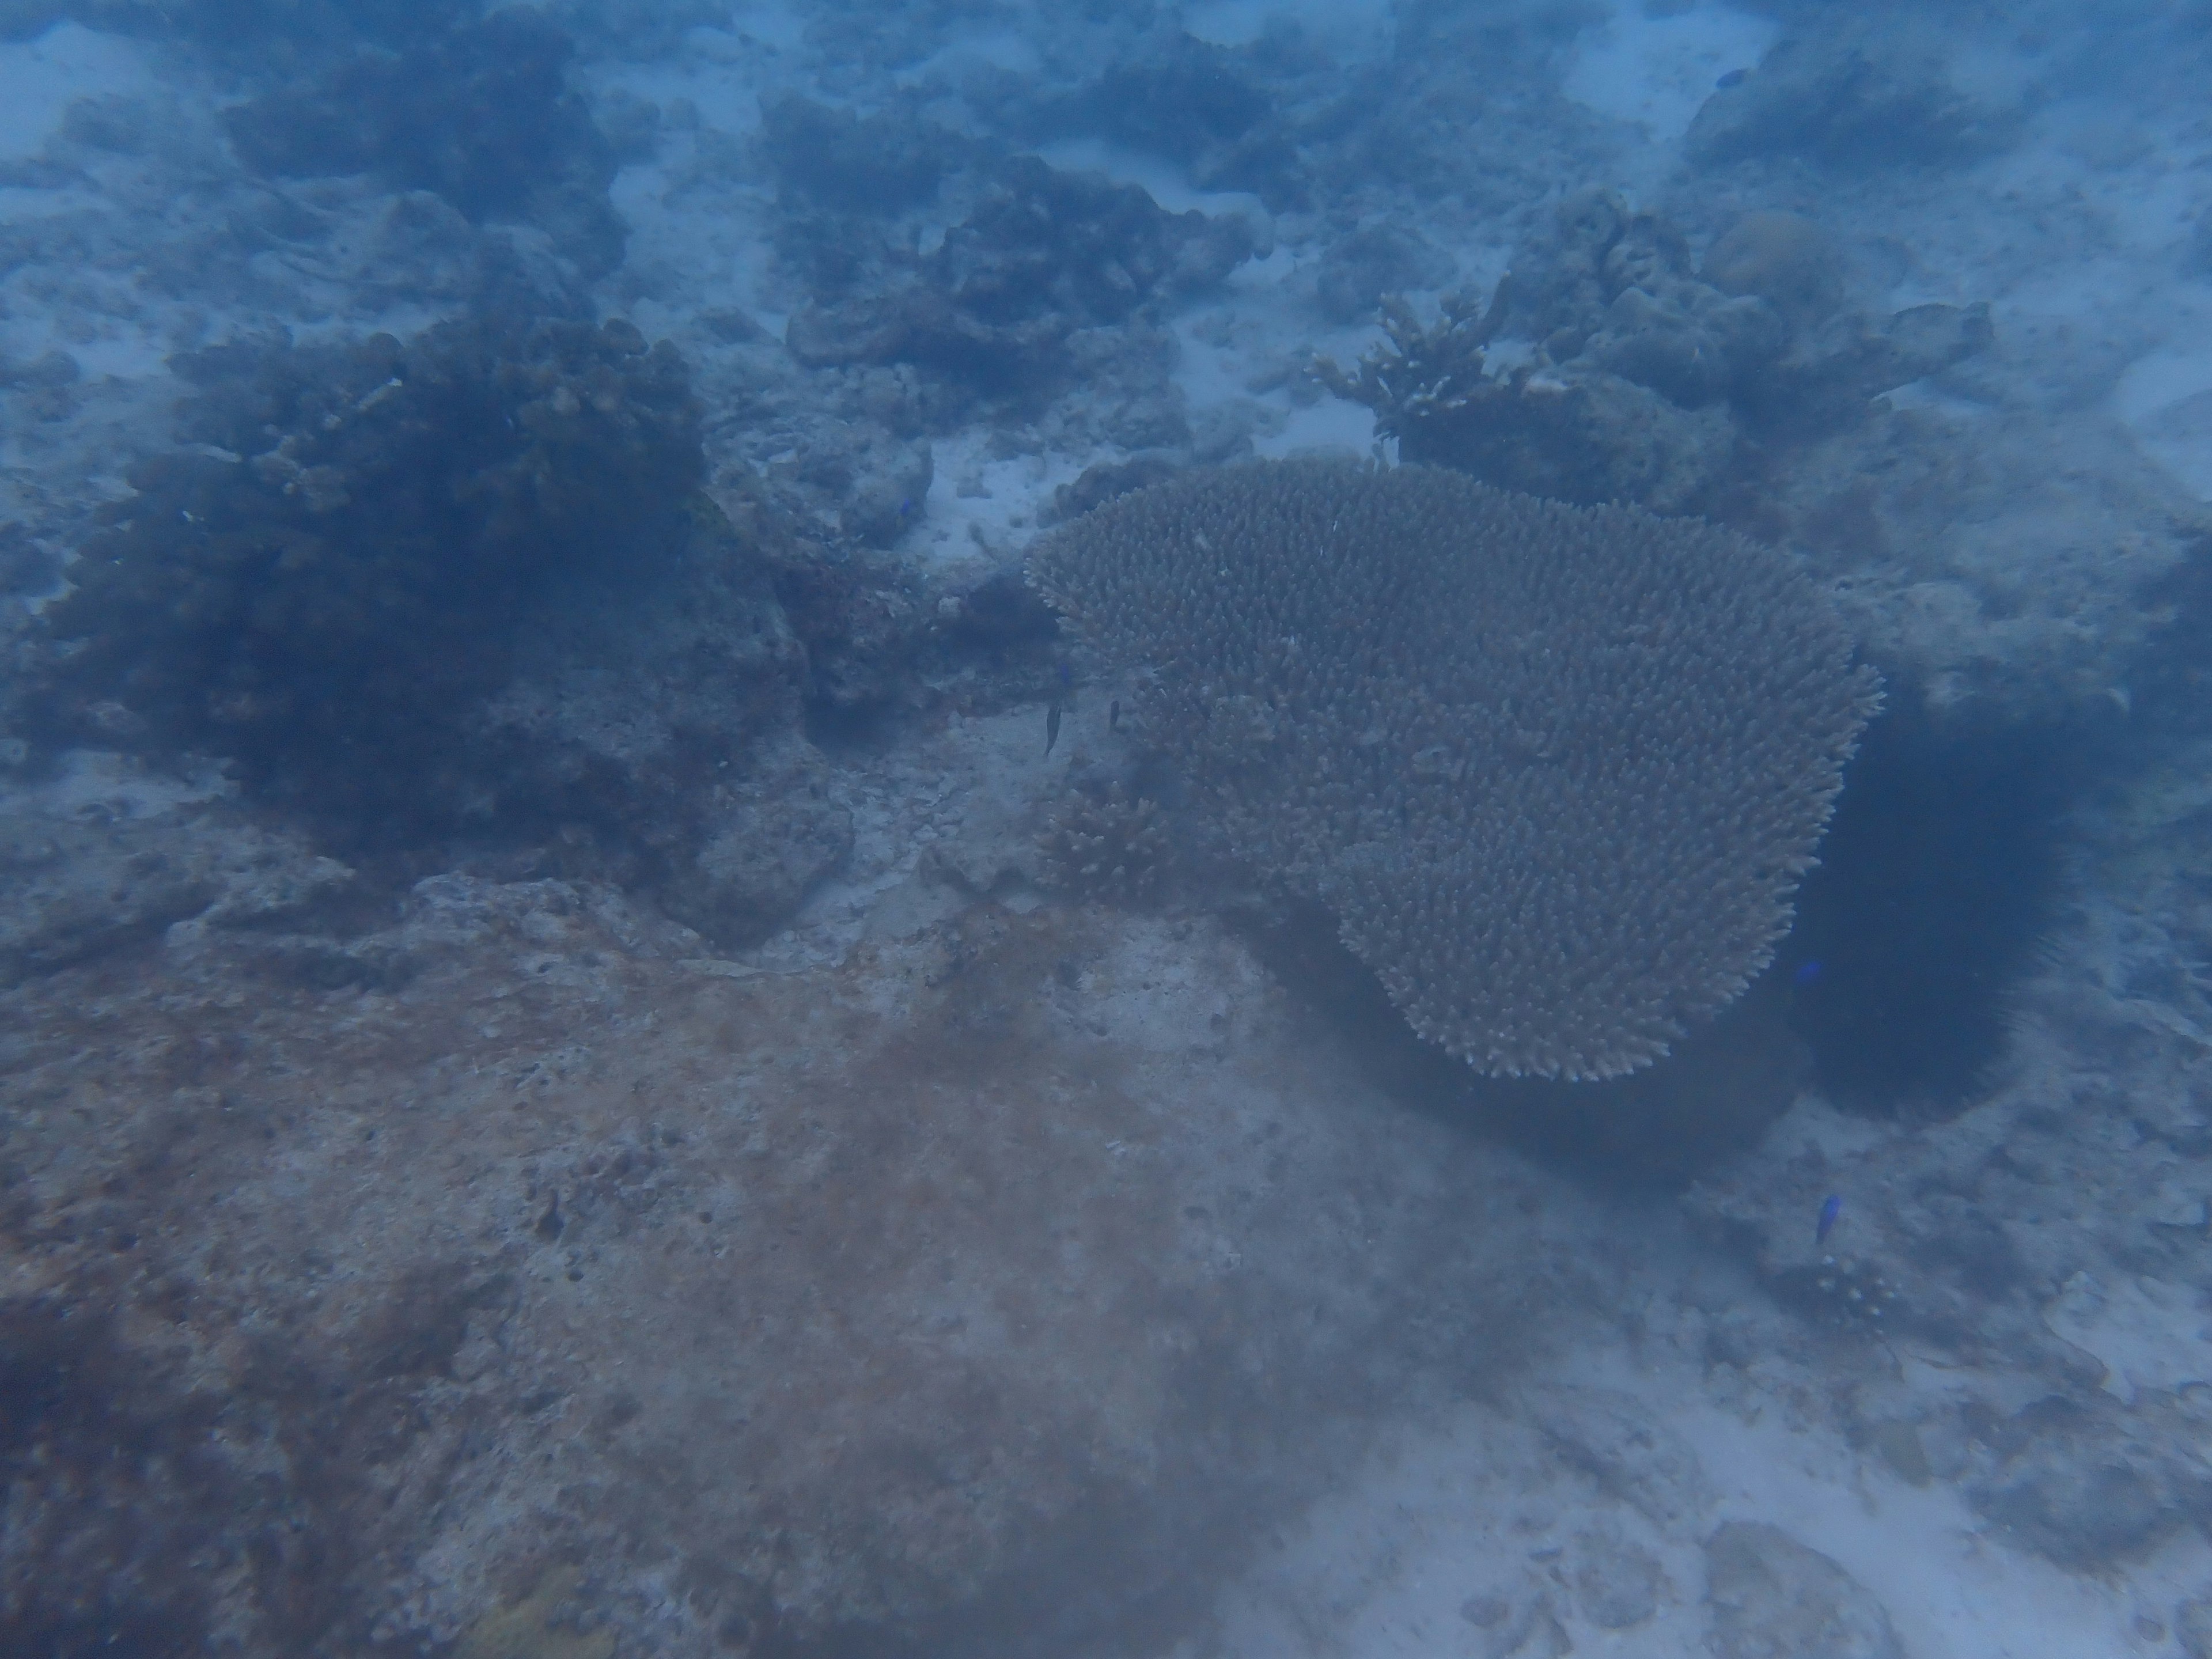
(1831, 1207)
(1733, 78)
(1051, 725)
(1114, 715)
(1805, 972)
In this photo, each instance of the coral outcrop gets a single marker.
(1608, 369)
(1044, 255)
(323, 586)
(1852, 95)
(1555, 770)
(464, 587)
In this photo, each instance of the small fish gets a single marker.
(1806, 973)
(1051, 725)
(1831, 1207)
(1734, 77)
(1114, 715)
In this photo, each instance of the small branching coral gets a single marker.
(1105, 846)
(1425, 369)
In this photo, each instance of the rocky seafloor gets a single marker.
(573, 1080)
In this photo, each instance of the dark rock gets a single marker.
(77, 890)
(1828, 374)
(878, 164)
(1783, 258)
(1044, 254)
(869, 485)
(1203, 105)
(2090, 1482)
(632, 125)
(732, 326)
(1374, 261)
(1001, 611)
(782, 833)
(855, 613)
(1772, 1598)
(1854, 99)
(2192, 1627)
(110, 121)
(1180, 100)
(482, 115)
(1617, 1583)
(1105, 480)
(45, 372)
(25, 566)
(1532, 1632)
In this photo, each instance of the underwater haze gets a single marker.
(1240, 829)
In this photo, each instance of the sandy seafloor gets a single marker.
(1002, 1246)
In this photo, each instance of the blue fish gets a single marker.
(1734, 77)
(1831, 1207)
(1806, 973)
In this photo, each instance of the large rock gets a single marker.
(1774, 1598)
(783, 830)
(77, 890)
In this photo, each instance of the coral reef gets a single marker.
(1848, 1292)
(1105, 846)
(1630, 377)
(1556, 770)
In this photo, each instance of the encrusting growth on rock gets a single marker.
(1555, 769)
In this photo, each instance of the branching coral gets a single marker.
(1556, 770)
(1108, 847)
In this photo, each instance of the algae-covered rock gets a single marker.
(323, 587)
(1774, 1598)
(1848, 95)
(541, 1626)
(77, 888)
(779, 833)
